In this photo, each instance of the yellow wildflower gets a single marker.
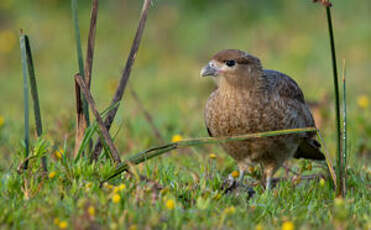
(52, 174)
(2, 121)
(363, 102)
(91, 211)
(309, 167)
(212, 156)
(119, 188)
(339, 202)
(170, 204)
(59, 153)
(56, 221)
(164, 190)
(133, 227)
(235, 174)
(250, 169)
(230, 210)
(88, 185)
(217, 196)
(322, 182)
(259, 227)
(176, 138)
(122, 187)
(116, 198)
(7, 41)
(63, 224)
(107, 185)
(288, 225)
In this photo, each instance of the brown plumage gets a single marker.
(249, 99)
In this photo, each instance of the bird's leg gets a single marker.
(268, 185)
(242, 175)
(269, 171)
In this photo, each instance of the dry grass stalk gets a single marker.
(91, 43)
(147, 116)
(104, 131)
(159, 150)
(125, 75)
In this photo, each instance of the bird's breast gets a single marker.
(235, 114)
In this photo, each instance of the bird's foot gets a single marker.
(232, 185)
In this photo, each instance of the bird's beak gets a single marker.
(209, 70)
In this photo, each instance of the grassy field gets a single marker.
(181, 189)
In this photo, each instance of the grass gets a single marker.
(181, 189)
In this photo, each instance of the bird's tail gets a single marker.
(310, 149)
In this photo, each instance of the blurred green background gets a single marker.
(180, 37)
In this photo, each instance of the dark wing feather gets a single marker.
(284, 85)
(288, 88)
(310, 149)
(208, 131)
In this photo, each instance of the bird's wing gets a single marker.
(287, 88)
(284, 85)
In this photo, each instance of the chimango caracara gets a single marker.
(250, 99)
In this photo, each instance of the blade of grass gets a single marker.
(126, 74)
(328, 159)
(345, 130)
(35, 96)
(108, 140)
(156, 151)
(25, 95)
(82, 122)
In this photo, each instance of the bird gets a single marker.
(250, 99)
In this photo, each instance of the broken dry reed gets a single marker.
(107, 137)
(35, 95)
(156, 151)
(91, 43)
(25, 95)
(126, 73)
(82, 121)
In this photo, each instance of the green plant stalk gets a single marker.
(345, 129)
(339, 167)
(156, 151)
(34, 94)
(25, 94)
(79, 56)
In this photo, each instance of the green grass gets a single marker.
(289, 36)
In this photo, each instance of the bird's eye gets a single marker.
(230, 63)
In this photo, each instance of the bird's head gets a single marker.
(235, 66)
